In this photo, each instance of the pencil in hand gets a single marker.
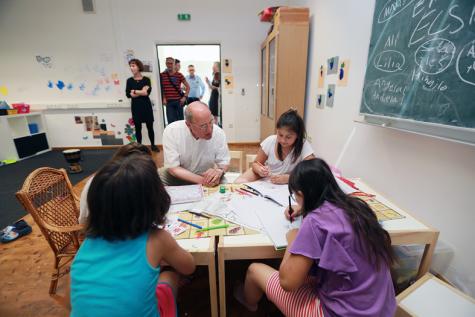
(291, 211)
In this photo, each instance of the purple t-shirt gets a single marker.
(349, 285)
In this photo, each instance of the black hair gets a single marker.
(131, 148)
(292, 121)
(138, 63)
(177, 61)
(316, 182)
(126, 199)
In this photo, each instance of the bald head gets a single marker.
(197, 111)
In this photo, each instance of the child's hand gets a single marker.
(261, 170)
(280, 179)
(296, 211)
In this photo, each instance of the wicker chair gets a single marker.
(47, 194)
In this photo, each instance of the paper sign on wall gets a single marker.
(320, 101)
(343, 73)
(321, 76)
(228, 82)
(332, 65)
(227, 66)
(330, 95)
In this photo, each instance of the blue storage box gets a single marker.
(33, 128)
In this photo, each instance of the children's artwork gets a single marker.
(147, 66)
(330, 95)
(78, 120)
(91, 123)
(129, 131)
(321, 76)
(45, 61)
(343, 73)
(228, 82)
(4, 90)
(115, 78)
(60, 84)
(128, 55)
(383, 212)
(320, 101)
(227, 66)
(332, 65)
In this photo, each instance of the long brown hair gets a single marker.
(317, 183)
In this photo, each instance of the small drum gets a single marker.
(73, 156)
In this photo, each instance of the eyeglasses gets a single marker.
(204, 127)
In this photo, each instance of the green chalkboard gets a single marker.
(421, 62)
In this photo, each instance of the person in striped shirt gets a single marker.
(172, 96)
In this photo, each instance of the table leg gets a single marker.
(212, 286)
(427, 256)
(222, 282)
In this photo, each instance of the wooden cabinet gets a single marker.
(22, 136)
(283, 72)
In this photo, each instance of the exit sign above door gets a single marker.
(184, 17)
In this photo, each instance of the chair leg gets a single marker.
(54, 277)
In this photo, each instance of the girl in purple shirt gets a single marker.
(336, 264)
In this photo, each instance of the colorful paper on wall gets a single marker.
(321, 76)
(320, 101)
(330, 95)
(228, 82)
(4, 90)
(343, 73)
(227, 66)
(332, 65)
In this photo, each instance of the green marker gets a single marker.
(213, 228)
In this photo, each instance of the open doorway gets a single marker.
(202, 57)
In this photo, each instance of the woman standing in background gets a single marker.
(138, 88)
(214, 88)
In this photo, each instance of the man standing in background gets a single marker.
(197, 87)
(172, 95)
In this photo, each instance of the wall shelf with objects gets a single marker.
(22, 136)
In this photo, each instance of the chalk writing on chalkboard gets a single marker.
(421, 62)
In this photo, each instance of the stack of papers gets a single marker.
(185, 194)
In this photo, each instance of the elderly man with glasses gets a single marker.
(195, 149)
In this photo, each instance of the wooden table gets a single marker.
(402, 231)
(429, 296)
(203, 251)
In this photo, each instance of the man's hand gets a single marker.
(182, 100)
(212, 177)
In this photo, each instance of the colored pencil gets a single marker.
(190, 223)
(213, 228)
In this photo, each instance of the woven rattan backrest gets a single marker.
(47, 195)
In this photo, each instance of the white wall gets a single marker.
(81, 43)
(433, 179)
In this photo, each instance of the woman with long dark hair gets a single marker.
(281, 152)
(336, 264)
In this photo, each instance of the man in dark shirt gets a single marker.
(172, 95)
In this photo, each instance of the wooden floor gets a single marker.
(25, 271)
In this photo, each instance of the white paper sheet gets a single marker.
(185, 194)
(279, 193)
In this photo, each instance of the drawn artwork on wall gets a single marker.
(330, 95)
(321, 76)
(228, 82)
(320, 101)
(343, 73)
(129, 131)
(3, 90)
(332, 65)
(45, 61)
(227, 66)
(128, 55)
(147, 66)
(99, 130)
